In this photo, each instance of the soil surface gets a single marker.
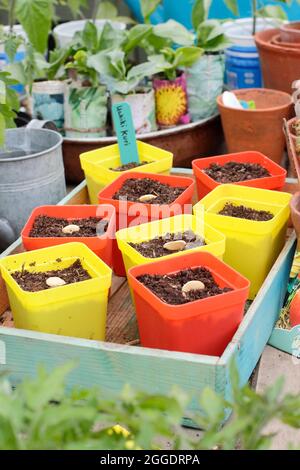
(45, 226)
(133, 189)
(155, 248)
(169, 287)
(36, 281)
(233, 172)
(243, 212)
(129, 166)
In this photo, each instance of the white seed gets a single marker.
(55, 282)
(69, 229)
(192, 285)
(147, 198)
(175, 245)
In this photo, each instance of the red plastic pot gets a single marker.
(205, 184)
(130, 213)
(204, 326)
(101, 246)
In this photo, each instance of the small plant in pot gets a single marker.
(170, 84)
(128, 82)
(206, 76)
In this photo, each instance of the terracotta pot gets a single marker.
(277, 41)
(280, 66)
(290, 32)
(259, 129)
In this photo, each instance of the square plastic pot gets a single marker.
(129, 214)
(100, 245)
(215, 241)
(252, 247)
(97, 165)
(204, 326)
(77, 309)
(205, 183)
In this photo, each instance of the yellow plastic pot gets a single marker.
(97, 165)
(215, 241)
(77, 309)
(251, 247)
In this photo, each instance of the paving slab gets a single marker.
(275, 364)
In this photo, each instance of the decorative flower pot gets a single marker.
(98, 165)
(171, 101)
(280, 66)
(142, 104)
(215, 241)
(85, 111)
(204, 326)
(259, 129)
(290, 32)
(132, 213)
(205, 184)
(100, 244)
(47, 101)
(203, 92)
(252, 246)
(77, 309)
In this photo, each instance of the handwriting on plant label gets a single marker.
(124, 128)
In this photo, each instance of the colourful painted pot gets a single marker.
(171, 101)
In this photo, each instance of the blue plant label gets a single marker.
(124, 128)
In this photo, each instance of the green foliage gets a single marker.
(148, 7)
(9, 103)
(36, 16)
(40, 414)
(170, 60)
(210, 34)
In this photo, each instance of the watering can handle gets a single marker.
(7, 234)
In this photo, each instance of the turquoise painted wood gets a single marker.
(286, 340)
(111, 366)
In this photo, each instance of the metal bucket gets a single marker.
(31, 173)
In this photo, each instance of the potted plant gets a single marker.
(205, 77)
(128, 82)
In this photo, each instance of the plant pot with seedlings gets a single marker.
(140, 198)
(102, 166)
(55, 225)
(244, 168)
(60, 290)
(170, 82)
(205, 77)
(192, 303)
(168, 238)
(254, 222)
(257, 129)
(126, 82)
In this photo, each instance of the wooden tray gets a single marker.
(121, 360)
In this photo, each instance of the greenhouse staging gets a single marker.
(149, 231)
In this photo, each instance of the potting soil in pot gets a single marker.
(136, 190)
(183, 287)
(168, 244)
(243, 212)
(37, 281)
(45, 226)
(234, 172)
(129, 166)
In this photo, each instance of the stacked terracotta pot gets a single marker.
(279, 51)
